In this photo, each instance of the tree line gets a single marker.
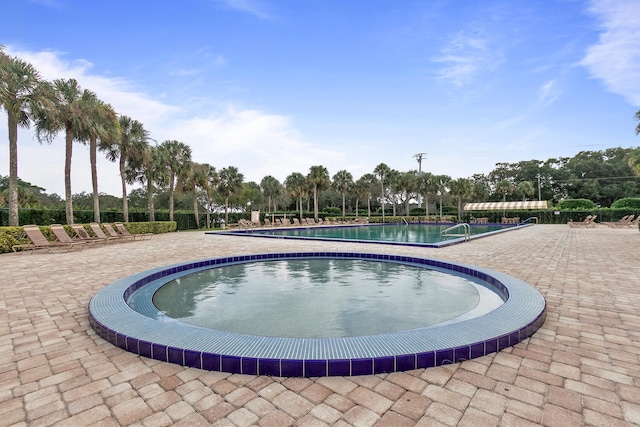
(167, 169)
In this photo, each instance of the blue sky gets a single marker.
(276, 86)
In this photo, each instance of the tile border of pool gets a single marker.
(261, 232)
(177, 342)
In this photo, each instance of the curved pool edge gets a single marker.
(261, 232)
(176, 342)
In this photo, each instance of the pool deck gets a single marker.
(581, 368)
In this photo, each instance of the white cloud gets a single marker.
(257, 142)
(254, 7)
(615, 59)
(464, 57)
(547, 93)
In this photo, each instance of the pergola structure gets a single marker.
(494, 206)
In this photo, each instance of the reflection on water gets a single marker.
(316, 298)
(411, 233)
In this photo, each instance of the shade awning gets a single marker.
(493, 206)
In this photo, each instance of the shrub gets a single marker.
(10, 236)
(576, 204)
(449, 210)
(626, 203)
(332, 210)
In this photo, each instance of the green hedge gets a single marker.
(576, 204)
(627, 203)
(10, 236)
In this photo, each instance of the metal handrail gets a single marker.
(465, 226)
(405, 221)
(533, 218)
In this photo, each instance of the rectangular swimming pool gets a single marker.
(412, 234)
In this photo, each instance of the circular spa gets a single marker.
(316, 314)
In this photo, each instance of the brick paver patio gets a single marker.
(581, 368)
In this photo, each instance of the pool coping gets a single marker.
(259, 232)
(188, 345)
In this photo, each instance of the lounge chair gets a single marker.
(113, 233)
(97, 230)
(625, 221)
(588, 222)
(267, 223)
(62, 236)
(123, 230)
(39, 241)
(296, 221)
(245, 224)
(286, 222)
(83, 235)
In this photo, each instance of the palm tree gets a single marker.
(461, 187)
(637, 116)
(175, 158)
(408, 184)
(72, 115)
(393, 181)
(211, 182)
(426, 187)
(230, 183)
(442, 186)
(103, 125)
(271, 188)
(634, 157)
(318, 179)
(505, 187)
(381, 172)
(525, 188)
(343, 182)
(190, 180)
(23, 96)
(362, 189)
(296, 185)
(130, 144)
(145, 168)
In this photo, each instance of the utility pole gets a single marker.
(539, 195)
(419, 158)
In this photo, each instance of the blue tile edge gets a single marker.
(115, 321)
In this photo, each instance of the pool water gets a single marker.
(123, 313)
(321, 298)
(409, 234)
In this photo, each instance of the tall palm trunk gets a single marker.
(315, 202)
(195, 206)
(13, 171)
(67, 173)
(208, 210)
(300, 203)
(171, 187)
(94, 178)
(382, 197)
(152, 214)
(123, 180)
(426, 206)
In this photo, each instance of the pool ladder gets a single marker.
(466, 231)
